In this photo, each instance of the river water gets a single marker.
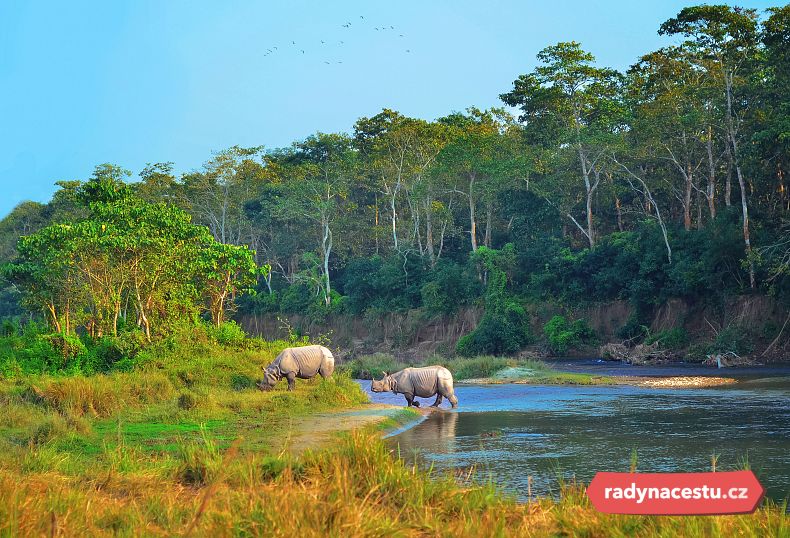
(511, 432)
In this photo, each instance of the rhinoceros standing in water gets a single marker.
(302, 362)
(423, 382)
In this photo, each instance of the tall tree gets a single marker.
(567, 102)
(723, 40)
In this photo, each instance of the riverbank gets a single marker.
(487, 370)
(188, 446)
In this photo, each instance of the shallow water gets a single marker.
(549, 432)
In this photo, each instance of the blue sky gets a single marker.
(131, 82)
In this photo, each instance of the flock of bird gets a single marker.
(298, 48)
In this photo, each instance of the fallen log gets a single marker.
(639, 354)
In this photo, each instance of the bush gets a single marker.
(117, 352)
(451, 287)
(229, 333)
(505, 324)
(732, 339)
(296, 298)
(562, 336)
(673, 339)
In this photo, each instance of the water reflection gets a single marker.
(511, 432)
(438, 432)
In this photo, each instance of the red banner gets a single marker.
(735, 492)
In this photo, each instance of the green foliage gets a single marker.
(674, 339)
(450, 287)
(229, 333)
(732, 339)
(128, 251)
(372, 366)
(563, 336)
(478, 367)
(504, 327)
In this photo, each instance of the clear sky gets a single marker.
(137, 81)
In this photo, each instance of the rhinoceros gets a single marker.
(302, 362)
(422, 382)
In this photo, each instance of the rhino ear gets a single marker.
(385, 373)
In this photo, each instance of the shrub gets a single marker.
(117, 352)
(732, 339)
(674, 339)
(505, 324)
(562, 336)
(228, 333)
(240, 382)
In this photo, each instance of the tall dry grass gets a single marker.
(356, 488)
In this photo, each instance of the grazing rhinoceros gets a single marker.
(302, 362)
(422, 382)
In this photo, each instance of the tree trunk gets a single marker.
(711, 191)
(489, 215)
(327, 250)
(472, 222)
(619, 213)
(687, 198)
(429, 230)
(55, 321)
(589, 190)
(741, 180)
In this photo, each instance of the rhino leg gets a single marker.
(410, 400)
(453, 399)
(438, 400)
(326, 370)
(291, 377)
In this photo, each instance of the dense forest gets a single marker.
(588, 184)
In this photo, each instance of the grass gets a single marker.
(488, 369)
(181, 446)
(355, 488)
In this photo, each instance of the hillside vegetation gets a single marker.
(666, 181)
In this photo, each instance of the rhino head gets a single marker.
(269, 380)
(383, 385)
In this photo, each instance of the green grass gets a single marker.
(485, 368)
(354, 488)
(124, 454)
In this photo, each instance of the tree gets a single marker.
(723, 40)
(568, 103)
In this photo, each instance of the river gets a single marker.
(511, 432)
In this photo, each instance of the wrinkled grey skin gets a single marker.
(422, 382)
(302, 362)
